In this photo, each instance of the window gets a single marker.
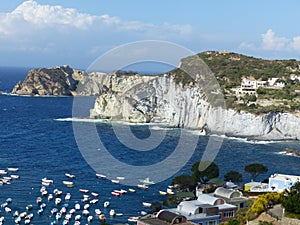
(211, 222)
(228, 214)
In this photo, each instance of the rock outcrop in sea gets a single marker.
(171, 99)
(60, 80)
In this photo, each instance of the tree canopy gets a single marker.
(292, 198)
(211, 170)
(255, 169)
(185, 182)
(233, 176)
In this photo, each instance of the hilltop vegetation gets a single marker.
(230, 68)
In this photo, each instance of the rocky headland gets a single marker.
(178, 99)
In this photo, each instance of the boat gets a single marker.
(13, 176)
(115, 181)
(84, 191)
(120, 178)
(113, 193)
(289, 152)
(162, 192)
(131, 190)
(170, 191)
(119, 214)
(85, 212)
(68, 197)
(70, 175)
(69, 184)
(106, 204)
(147, 204)
(94, 194)
(94, 201)
(57, 201)
(50, 197)
(143, 213)
(100, 175)
(3, 172)
(13, 169)
(133, 218)
(142, 186)
(102, 217)
(97, 212)
(112, 212)
(46, 180)
(147, 181)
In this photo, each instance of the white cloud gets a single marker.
(296, 43)
(272, 42)
(62, 32)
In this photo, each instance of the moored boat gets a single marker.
(70, 175)
(100, 175)
(146, 204)
(147, 181)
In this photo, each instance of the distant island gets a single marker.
(261, 97)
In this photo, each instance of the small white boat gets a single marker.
(13, 176)
(147, 181)
(133, 219)
(77, 217)
(100, 175)
(112, 212)
(77, 206)
(106, 204)
(50, 197)
(90, 218)
(85, 212)
(94, 194)
(143, 213)
(120, 178)
(3, 172)
(147, 204)
(115, 181)
(142, 186)
(13, 169)
(68, 197)
(94, 201)
(46, 180)
(119, 214)
(69, 184)
(70, 175)
(57, 201)
(97, 212)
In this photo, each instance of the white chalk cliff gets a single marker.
(161, 99)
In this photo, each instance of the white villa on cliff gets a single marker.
(250, 86)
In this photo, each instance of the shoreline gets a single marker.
(163, 126)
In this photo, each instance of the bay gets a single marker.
(32, 139)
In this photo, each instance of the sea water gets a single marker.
(33, 140)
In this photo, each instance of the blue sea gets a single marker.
(33, 140)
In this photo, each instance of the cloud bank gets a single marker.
(46, 29)
(271, 42)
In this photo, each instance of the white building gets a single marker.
(281, 182)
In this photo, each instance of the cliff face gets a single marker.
(160, 99)
(54, 81)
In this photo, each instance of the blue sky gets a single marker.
(55, 32)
